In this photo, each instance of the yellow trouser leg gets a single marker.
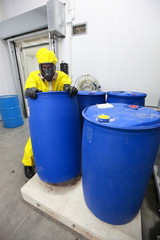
(27, 159)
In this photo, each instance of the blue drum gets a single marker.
(128, 97)
(89, 98)
(119, 148)
(56, 137)
(10, 111)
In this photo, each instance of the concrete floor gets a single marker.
(20, 221)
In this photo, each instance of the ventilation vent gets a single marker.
(79, 29)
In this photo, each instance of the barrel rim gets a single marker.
(90, 93)
(141, 95)
(53, 93)
(105, 125)
(8, 96)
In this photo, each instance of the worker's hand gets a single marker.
(72, 90)
(31, 92)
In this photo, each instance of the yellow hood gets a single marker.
(45, 56)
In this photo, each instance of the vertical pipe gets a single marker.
(53, 45)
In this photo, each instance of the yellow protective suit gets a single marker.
(34, 80)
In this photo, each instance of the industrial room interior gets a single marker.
(114, 44)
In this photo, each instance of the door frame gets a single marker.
(15, 65)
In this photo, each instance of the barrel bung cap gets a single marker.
(103, 118)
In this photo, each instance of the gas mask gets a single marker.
(47, 70)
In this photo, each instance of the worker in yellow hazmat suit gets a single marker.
(44, 80)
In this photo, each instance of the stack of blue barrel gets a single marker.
(55, 127)
(119, 146)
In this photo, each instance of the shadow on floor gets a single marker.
(150, 213)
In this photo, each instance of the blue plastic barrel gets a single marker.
(119, 148)
(128, 97)
(88, 98)
(55, 134)
(10, 111)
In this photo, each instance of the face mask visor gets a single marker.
(47, 70)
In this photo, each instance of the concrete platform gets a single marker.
(66, 204)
